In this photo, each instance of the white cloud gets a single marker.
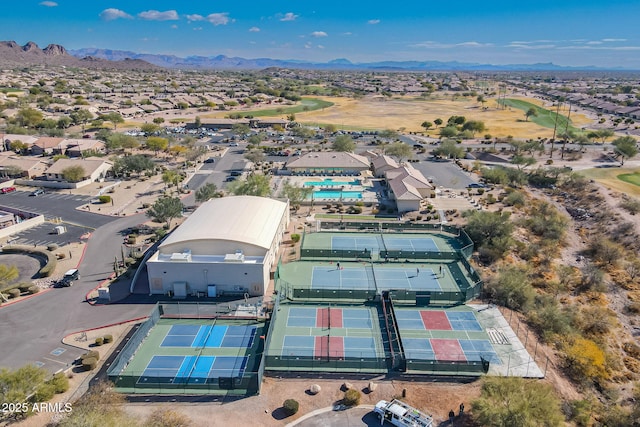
(614, 40)
(474, 44)
(154, 15)
(373, 21)
(289, 16)
(319, 34)
(218, 18)
(348, 33)
(111, 14)
(197, 28)
(174, 27)
(308, 45)
(48, 4)
(194, 17)
(320, 46)
(254, 30)
(594, 42)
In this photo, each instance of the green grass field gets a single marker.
(546, 118)
(631, 178)
(307, 104)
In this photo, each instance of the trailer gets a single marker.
(400, 414)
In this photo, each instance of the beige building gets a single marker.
(407, 186)
(94, 169)
(328, 163)
(227, 246)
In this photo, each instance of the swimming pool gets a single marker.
(328, 182)
(332, 194)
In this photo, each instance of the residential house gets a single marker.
(328, 163)
(46, 145)
(79, 147)
(94, 169)
(30, 167)
(407, 186)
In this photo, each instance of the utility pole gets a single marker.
(555, 127)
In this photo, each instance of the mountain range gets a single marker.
(13, 55)
(231, 63)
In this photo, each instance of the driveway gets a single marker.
(354, 417)
(31, 331)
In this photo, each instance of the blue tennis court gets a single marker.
(360, 278)
(209, 336)
(437, 320)
(329, 346)
(192, 369)
(332, 277)
(411, 244)
(412, 279)
(355, 243)
(314, 317)
(460, 350)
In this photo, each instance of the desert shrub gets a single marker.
(13, 293)
(99, 341)
(93, 353)
(104, 199)
(515, 199)
(61, 255)
(584, 360)
(480, 191)
(511, 288)
(291, 406)
(33, 290)
(375, 211)
(360, 204)
(167, 418)
(49, 267)
(549, 319)
(631, 205)
(89, 363)
(52, 247)
(44, 392)
(352, 397)
(295, 238)
(108, 338)
(59, 382)
(580, 411)
(132, 239)
(604, 251)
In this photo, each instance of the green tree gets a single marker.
(255, 155)
(63, 122)
(604, 134)
(158, 120)
(491, 232)
(254, 185)
(514, 401)
(8, 273)
(522, 162)
(399, 150)
(449, 149)
(132, 164)
(456, 120)
(511, 288)
(389, 135)
(240, 129)
(330, 128)
(73, 173)
(149, 128)
(171, 177)
(206, 192)
(165, 209)
(29, 117)
(530, 112)
(438, 122)
(474, 126)
(198, 122)
(426, 125)
(114, 118)
(343, 143)
(626, 147)
(448, 132)
(295, 193)
(157, 143)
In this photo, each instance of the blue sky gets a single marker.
(565, 32)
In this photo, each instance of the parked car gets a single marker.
(230, 178)
(210, 160)
(6, 190)
(37, 192)
(476, 185)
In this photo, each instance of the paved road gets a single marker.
(354, 417)
(31, 330)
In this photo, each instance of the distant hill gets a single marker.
(13, 55)
(231, 63)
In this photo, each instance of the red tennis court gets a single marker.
(332, 347)
(329, 317)
(435, 320)
(448, 350)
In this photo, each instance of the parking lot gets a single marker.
(43, 235)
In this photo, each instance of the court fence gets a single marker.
(137, 382)
(332, 362)
(141, 383)
(132, 345)
(442, 367)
